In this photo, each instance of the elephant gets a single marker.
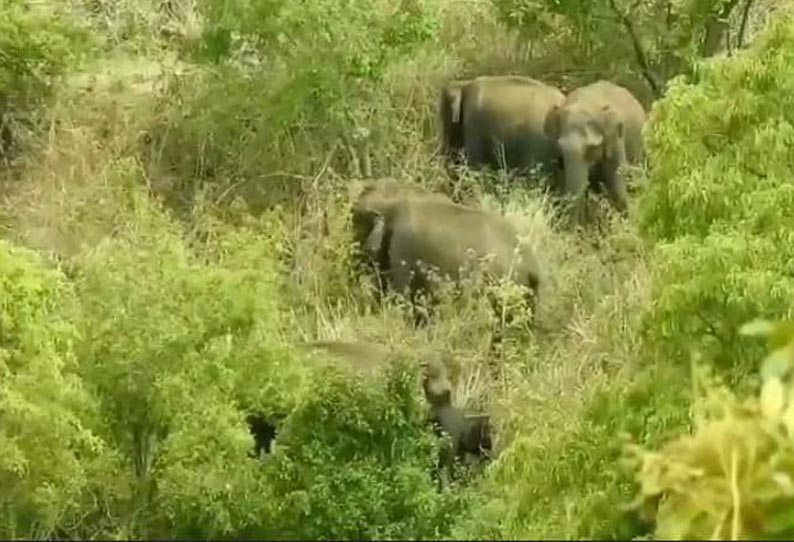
(598, 130)
(470, 433)
(498, 121)
(408, 235)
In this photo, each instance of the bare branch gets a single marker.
(743, 26)
(639, 52)
(715, 29)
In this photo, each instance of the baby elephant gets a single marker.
(469, 433)
(409, 233)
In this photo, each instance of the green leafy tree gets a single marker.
(730, 478)
(636, 42)
(57, 472)
(719, 204)
(37, 44)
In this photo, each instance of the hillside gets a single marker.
(177, 181)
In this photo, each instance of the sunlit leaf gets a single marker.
(778, 363)
(773, 397)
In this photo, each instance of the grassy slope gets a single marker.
(567, 391)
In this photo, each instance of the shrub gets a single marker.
(575, 486)
(302, 85)
(37, 44)
(354, 461)
(720, 145)
(731, 477)
(720, 202)
(178, 342)
(56, 470)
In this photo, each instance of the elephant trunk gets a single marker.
(576, 175)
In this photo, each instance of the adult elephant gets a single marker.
(598, 129)
(412, 237)
(498, 121)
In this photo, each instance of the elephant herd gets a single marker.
(410, 240)
(580, 141)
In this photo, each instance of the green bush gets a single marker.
(720, 203)
(720, 145)
(354, 461)
(302, 84)
(178, 345)
(56, 470)
(576, 485)
(37, 43)
(731, 477)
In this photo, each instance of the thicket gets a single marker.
(179, 226)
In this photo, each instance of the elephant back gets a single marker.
(357, 356)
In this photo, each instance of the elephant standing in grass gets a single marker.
(498, 121)
(469, 433)
(411, 236)
(598, 130)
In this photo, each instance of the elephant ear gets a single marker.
(552, 123)
(374, 240)
(454, 96)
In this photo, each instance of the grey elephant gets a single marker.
(470, 433)
(498, 121)
(598, 130)
(414, 238)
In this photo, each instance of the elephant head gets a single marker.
(374, 205)
(587, 138)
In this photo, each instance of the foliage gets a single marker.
(638, 42)
(299, 81)
(732, 476)
(53, 459)
(575, 486)
(36, 44)
(354, 460)
(164, 325)
(720, 200)
(720, 145)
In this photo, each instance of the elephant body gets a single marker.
(411, 237)
(598, 129)
(498, 121)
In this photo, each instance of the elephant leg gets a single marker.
(410, 282)
(477, 150)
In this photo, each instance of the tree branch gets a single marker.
(743, 26)
(639, 52)
(715, 30)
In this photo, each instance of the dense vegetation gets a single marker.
(177, 177)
